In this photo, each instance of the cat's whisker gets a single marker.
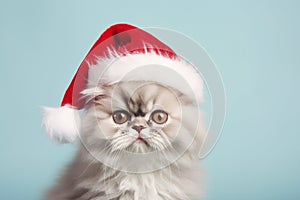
(85, 170)
(105, 147)
(157, 141)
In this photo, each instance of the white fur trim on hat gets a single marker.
(116, 68)
(62, 124)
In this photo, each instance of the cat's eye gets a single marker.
(159, 117)
(120, 116)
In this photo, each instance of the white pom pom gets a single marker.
(62, 124)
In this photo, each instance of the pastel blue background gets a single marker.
(255, 45)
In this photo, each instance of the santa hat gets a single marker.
(121, 49)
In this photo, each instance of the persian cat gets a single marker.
(139, 141)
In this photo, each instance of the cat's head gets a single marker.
(138, 117)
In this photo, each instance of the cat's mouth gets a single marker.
(141, 140)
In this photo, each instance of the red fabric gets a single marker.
(122, 38)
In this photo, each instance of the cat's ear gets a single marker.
(186, 100)
(95, 94)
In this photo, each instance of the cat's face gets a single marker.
(139, 117)
(133, 118)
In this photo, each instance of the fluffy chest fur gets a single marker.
(142, 187)
(85, 180)
(157, 186)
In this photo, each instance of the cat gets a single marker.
(139, 141)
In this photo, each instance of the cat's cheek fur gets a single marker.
(106, 128)
(172, 129)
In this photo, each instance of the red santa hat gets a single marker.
(121, 49)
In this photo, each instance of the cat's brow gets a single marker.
(139, 112)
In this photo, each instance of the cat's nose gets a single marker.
(138, 128)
